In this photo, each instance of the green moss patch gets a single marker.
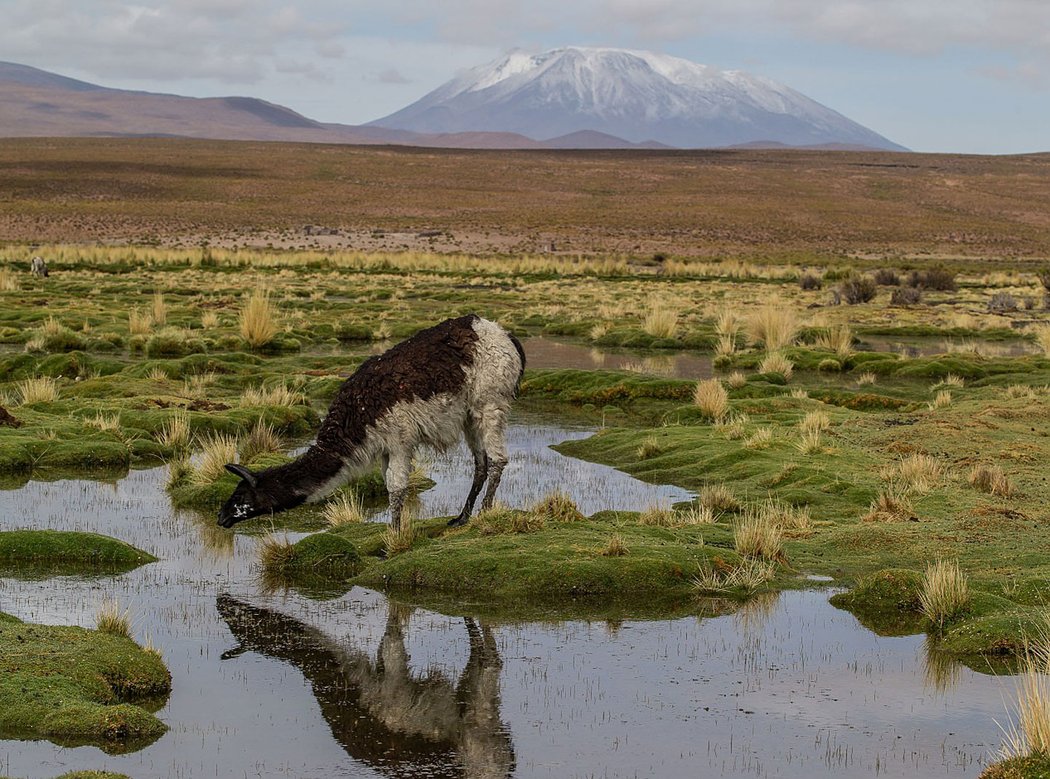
(75, 686)
(33, 552)
(1028, 767)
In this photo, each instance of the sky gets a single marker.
(969, 76)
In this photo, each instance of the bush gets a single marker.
(859, 289)
(885, 277)
(810, 281)
(1001, 302)
(933, 278)
(906, 296)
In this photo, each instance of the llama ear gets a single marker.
(242, 472)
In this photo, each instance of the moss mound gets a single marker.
(886, 602)
(68, 549)
(1029, 767)
(76, 686)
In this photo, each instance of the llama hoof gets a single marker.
(457, 521)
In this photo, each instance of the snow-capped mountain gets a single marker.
(636, 95)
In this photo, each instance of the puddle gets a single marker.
(359, 686)
(928, 347)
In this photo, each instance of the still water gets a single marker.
(277, 685)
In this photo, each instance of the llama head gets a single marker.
(250, 499)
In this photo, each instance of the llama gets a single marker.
(38, 267)
(455, 379)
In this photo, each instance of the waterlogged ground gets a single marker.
(273, 684)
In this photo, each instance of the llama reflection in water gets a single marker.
(399, 724)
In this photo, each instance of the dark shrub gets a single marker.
(885, 277)
(1002, 301)
(933, 278)
(1043, 274)
(810, 281)
(906, 296)
(859, 289)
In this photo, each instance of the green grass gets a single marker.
(75, 686)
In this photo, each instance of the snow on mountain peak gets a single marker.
(630, 94)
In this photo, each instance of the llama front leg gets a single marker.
(398, 466)
(480, 472)
(493, 435)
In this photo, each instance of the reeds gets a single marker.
(139, 322)
(698, 514)
(891, 505)
(649, 447)
(397, 541)
(8, 282)
(658, 515)
(209, 319)
(1030, 733)
(838, 339)
(257, 320)
(717, 498)
(942, 399)
(919, 473)
(944, 591)
(760, 439)
(615, 546)
(159, 310)
(275, 552)
(277, 395)
(814, 420)
(711, 398)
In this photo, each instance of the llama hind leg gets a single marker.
(396, 470)
(494, 436)
(477, 449)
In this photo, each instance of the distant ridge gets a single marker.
(37, 103)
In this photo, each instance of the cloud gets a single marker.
(391, 76)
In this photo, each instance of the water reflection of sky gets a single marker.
(787, 687)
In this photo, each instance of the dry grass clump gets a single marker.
(156, 373)
(951, 380)
(649, 447)
(698, 514)
(757, 535)
(159, 310)
(727, 324)
(866, 379)
(275, 552)
(814, 420)
(733, 427)
(176, 431)
(991, 479)
(659, 516)
(209, 319)
(615, 547)
(891, 505)
(736, 380)
(810, 442)
(41, 389)
(786, 516)
(1030, 734)
(261, 439)
(775, 362)
(499, 519)
(725, 346)
(112, 619)
(943, 399)
(1020, 391)
(748, 575)
(718, 498)
(944, 591)
(598, 331)
(8, 282)
(711, 398)
(1042, 337)
(277, 395)
(345, 509)
(397, 541)
(139, 322)
(216, 450)
(557, 507)
(660, 321)
(257, 321)
(799, 394)
(760, 439)
(104, 423)
(838, 339)
(919, 472)
(773, 326)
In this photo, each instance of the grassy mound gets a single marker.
(28, 551)
(75, 686)
(1029, 767)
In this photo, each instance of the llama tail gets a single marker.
(521, 354)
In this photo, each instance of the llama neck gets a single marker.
(313, 475)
